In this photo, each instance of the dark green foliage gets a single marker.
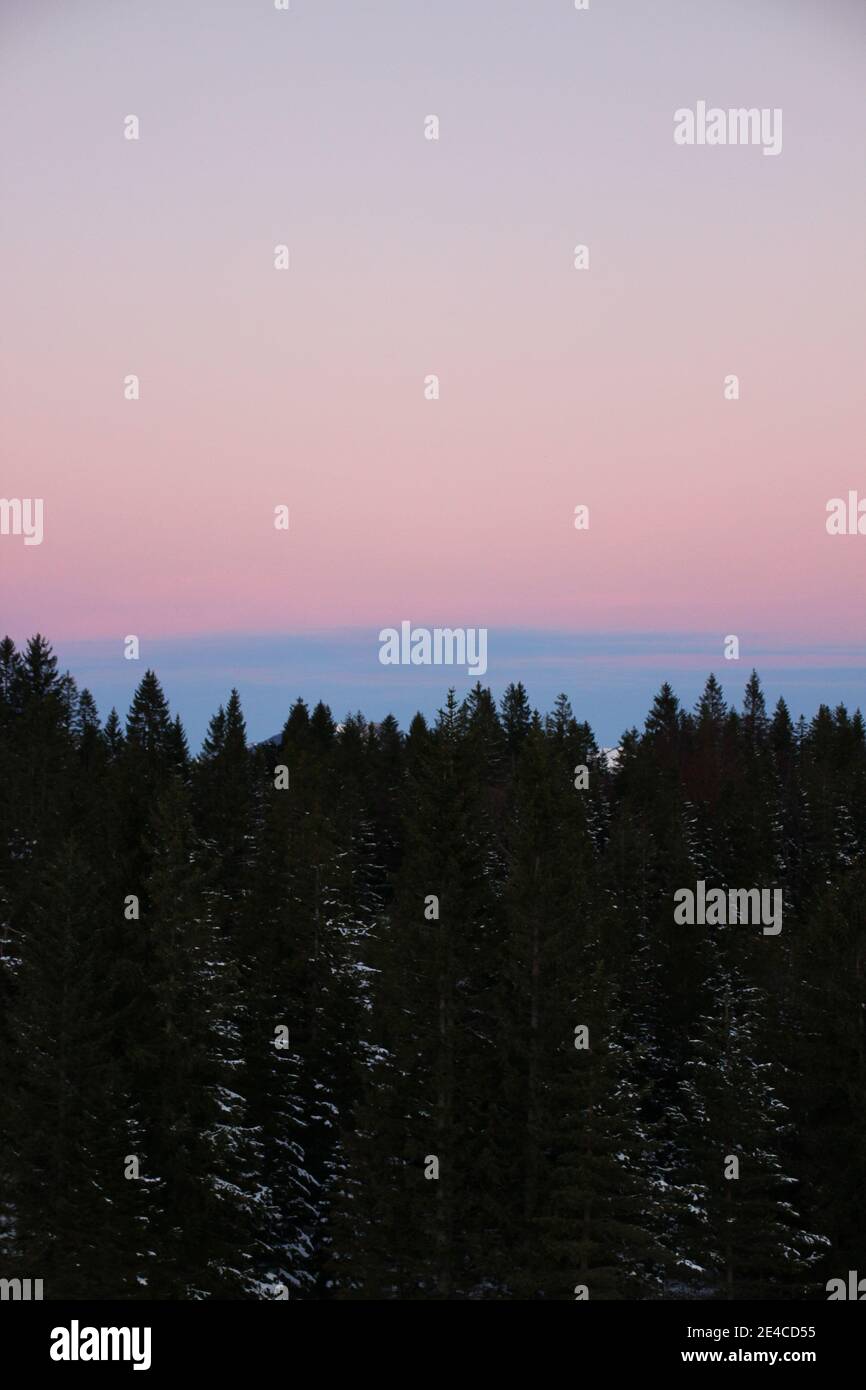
(335, 1024)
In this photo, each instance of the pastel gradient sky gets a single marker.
(411, 257)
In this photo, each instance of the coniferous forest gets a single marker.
(365, 1013)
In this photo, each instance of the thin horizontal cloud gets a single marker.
(610, 679)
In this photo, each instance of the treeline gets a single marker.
(420, 1025)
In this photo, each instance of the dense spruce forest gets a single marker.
(420, 1024)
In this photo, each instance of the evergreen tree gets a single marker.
(749, 1232)
(331, 1016)
(200, 1156)
(64, 1097)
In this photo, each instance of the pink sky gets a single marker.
(412, 257)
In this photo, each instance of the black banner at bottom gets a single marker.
(234, 1339)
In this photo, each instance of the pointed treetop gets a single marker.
(755, 720)
(86, 720)
(388, 734)
(711, 707)
(450, 721)
(516, 714)
(781, 729)
(148, 723)
(113, 733)
(214, 739)
(236, 725)
(561, 721)
(480, 707)
(664, 717)
(418, 728)
(297, 725)
(38, 668)
(10, 671)
(178, 746)
(323, 729)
